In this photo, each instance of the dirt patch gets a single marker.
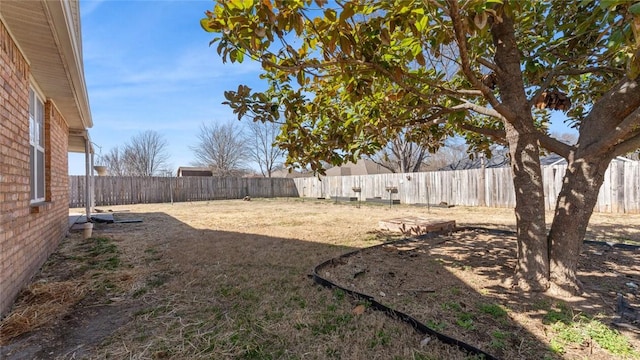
(229, 280)
(460, 286)
(79, 298)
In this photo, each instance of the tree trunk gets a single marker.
(532, 270)
(612, 120)
(574, 207)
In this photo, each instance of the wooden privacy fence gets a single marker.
(121, 190)
(620, 192)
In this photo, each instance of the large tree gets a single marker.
(114, 162)
(402, 154)
(261, 141)
(222, 148)
(349, 77)
(145, 154)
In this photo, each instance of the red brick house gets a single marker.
(44, 114)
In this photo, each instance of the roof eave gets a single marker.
(48, 34)
(70, 47)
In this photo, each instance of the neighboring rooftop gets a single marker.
(284, 173)
(362, 167)
(194, 171)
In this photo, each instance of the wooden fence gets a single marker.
(620, 192)
(116, 190)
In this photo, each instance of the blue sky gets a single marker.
(148, 66)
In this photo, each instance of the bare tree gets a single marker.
(221, 148)
(454, 151)
(402, 155)
(261, 140)
(114, 162)
(145, 154)
(456, 154)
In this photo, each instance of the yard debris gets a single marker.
(425, 341)
(128, 221)
(358, 310)
(38, 304)
(102, 219)
(628, 314)
(416, 291)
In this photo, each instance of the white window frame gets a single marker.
(36, 147)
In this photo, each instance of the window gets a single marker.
(36, 148)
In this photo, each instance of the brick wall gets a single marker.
(28, 234)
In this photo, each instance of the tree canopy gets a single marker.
(348, 76)
(355, 74)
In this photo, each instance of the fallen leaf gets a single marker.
(358, 310)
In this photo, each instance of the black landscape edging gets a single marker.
(417, 325)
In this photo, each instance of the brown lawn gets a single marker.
(229, 280)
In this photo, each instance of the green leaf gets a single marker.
(635, 9)
(247, 4)
(607, 4)
(422, 24)
(205, 25)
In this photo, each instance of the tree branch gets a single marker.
(433, 119)
(591, 69)
(478, 108)
(461, 91)
(628, 145)
(461, 39)
(543, 87)
(488, 64)
(495, 134)
(554, 145)
(629, 125)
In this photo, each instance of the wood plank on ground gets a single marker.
(415, 225)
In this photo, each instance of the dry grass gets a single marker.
(228, 280)
(40, 303)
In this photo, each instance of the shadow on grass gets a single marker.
(259, 282)
(206, 293)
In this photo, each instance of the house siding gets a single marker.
(28, 234)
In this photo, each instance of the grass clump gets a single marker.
(102, 246)
(498, 340)
(103, 254)
(496, 311)
(570, 329)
